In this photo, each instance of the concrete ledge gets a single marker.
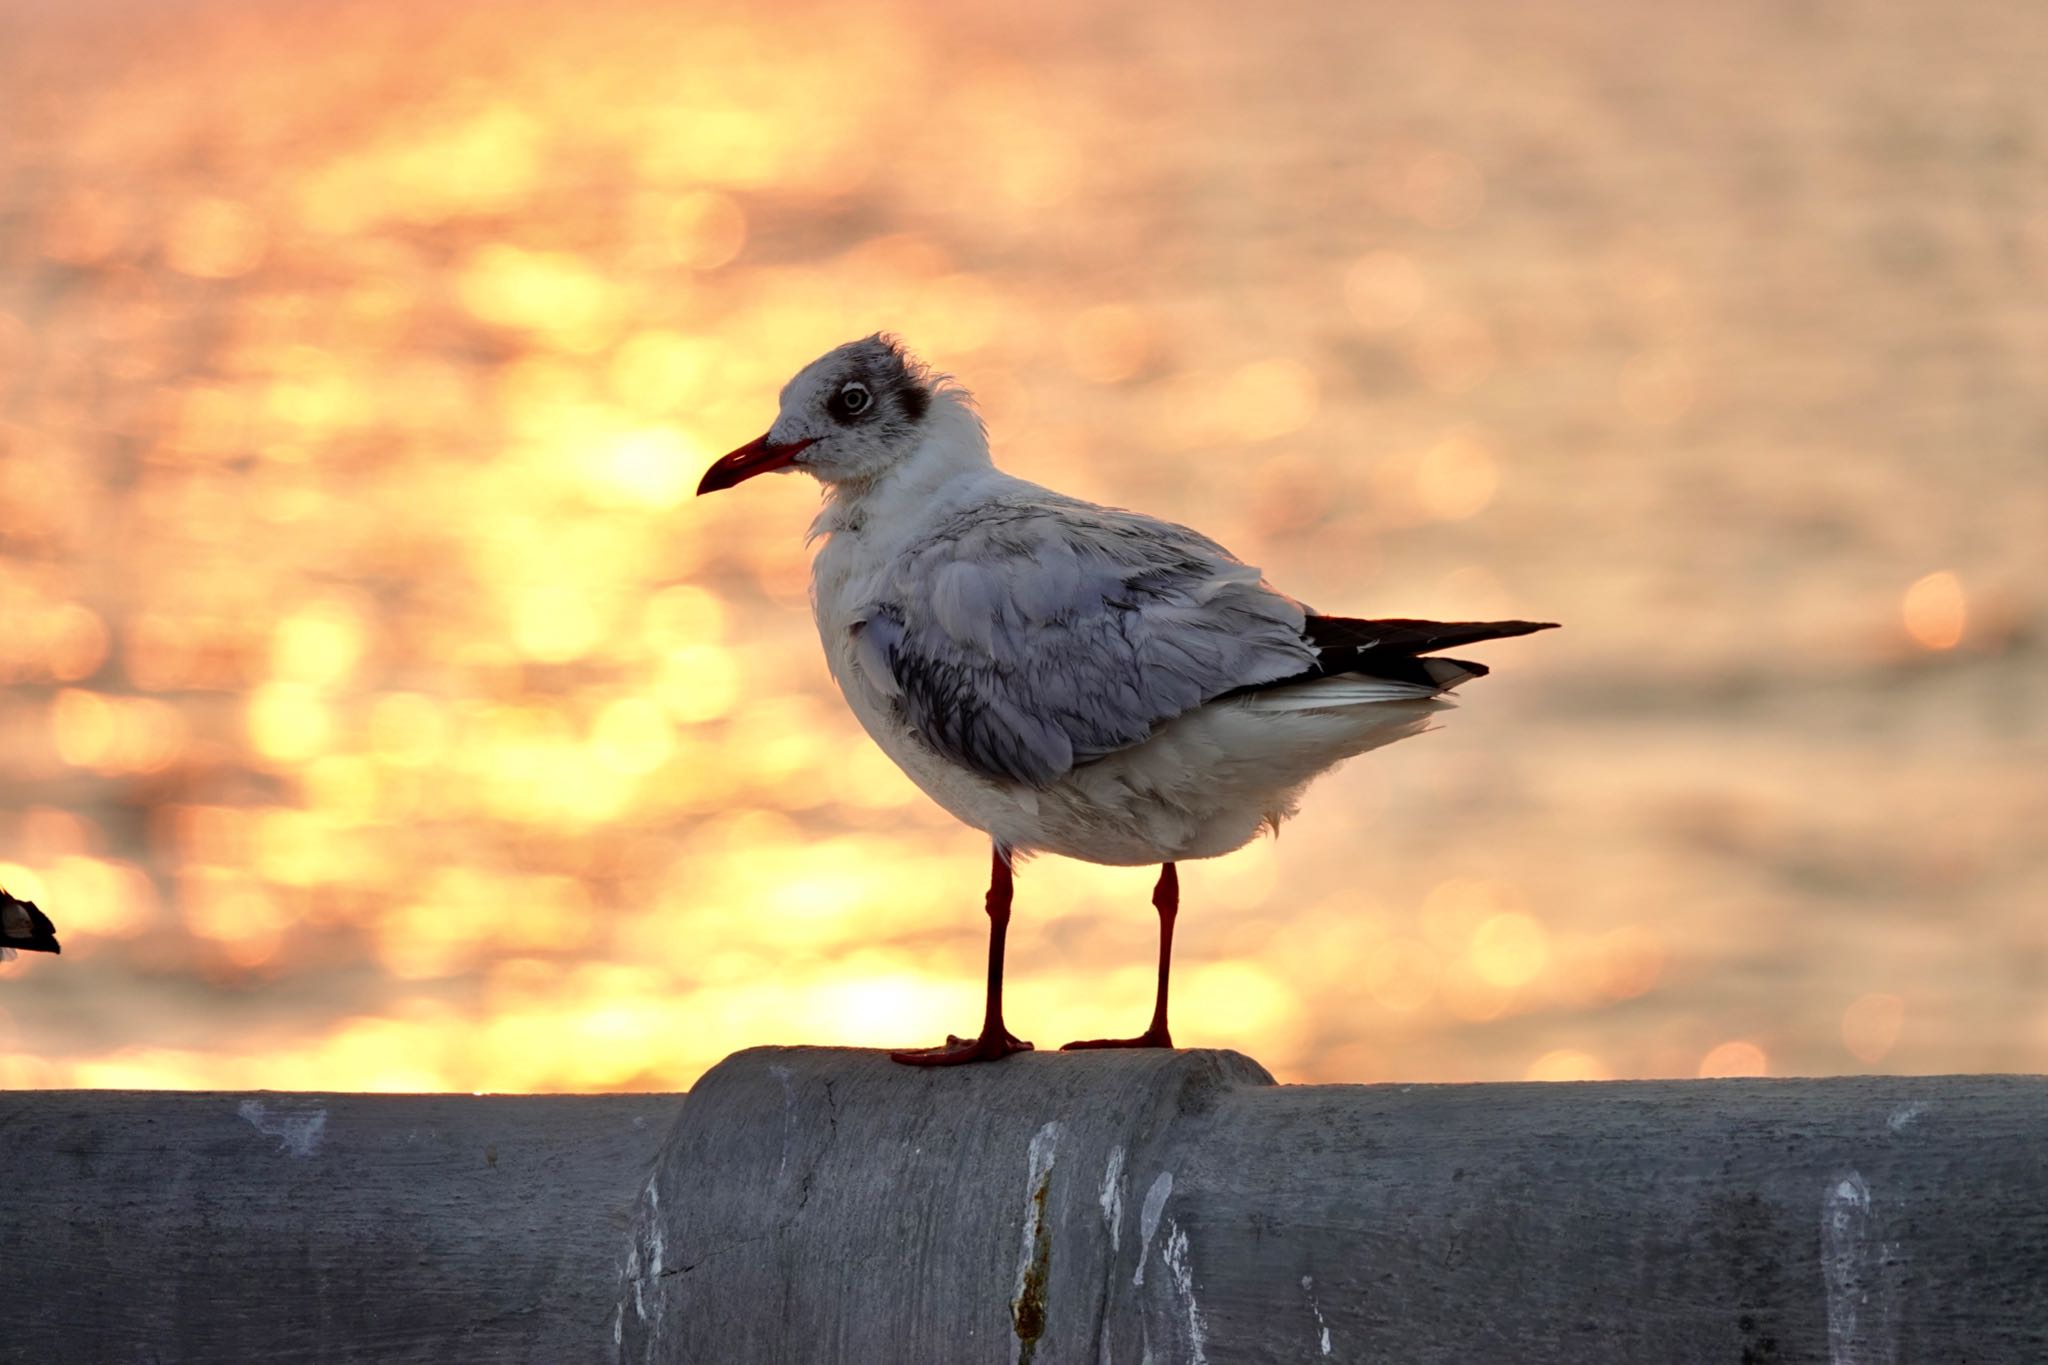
(814, 1205)
(820, 1205)
(159, 1226)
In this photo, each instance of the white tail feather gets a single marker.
(1327, 694)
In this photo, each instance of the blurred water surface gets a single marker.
(380, 711)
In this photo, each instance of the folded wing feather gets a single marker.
(1026, 639)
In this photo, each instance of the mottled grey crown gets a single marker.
(898, 383)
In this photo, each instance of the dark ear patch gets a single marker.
(915, 399)
(906, 376)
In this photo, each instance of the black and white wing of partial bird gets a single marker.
(24, 928)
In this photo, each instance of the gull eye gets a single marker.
(851, 400)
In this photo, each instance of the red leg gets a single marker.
(1165, 899)
(995, 1042)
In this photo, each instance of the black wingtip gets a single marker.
(23, 926)
(1396, 648)
(1407, 636)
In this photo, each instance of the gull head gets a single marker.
(847, 418)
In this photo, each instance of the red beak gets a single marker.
(755, 457)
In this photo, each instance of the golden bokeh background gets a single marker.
(380, 711)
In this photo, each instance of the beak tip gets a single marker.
(758, 456)
(717, 478)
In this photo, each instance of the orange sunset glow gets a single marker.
(379, 710)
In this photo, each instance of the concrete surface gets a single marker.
(825, 1205)
(163, 1226)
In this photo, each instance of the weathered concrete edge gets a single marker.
(1708, 1220)
(76, 1164)
(316, 1225)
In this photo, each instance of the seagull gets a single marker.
(1065, 677)
(24, 927)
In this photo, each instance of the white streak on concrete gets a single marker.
(619, 1324)
(1175, 1254)
(633, 1277)
(1904, 1116)
(781, 1073)
(1148, 1220)
(655, 1245)
(1860, 1272)
(1112, 1200)
(298, 1134)
(1308, 1287)
(1037, 1186)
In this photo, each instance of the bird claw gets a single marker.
(1149, 1038)
(957, 1050)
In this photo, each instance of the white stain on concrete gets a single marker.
(296, 1133)
(1112, 1199)
(1861, 1272)
(1148, 1220)
(655, 1244)
(1175, 1255)
(1045, 1144)
(781, 1073)
(1308, 1287)
(1905, 1116)
(619, 1325)
(633, 1278)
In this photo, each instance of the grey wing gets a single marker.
(1025, 641)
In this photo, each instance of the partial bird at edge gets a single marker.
(24, 928)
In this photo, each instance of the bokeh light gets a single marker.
(1935, 611)
(1568, 1064)
(1735, 1059)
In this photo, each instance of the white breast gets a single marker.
(842, 578)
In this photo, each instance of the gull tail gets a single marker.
(24, 927)
(1394, 649)
(1324, 692)
(1374, 683)
(1384, 660)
